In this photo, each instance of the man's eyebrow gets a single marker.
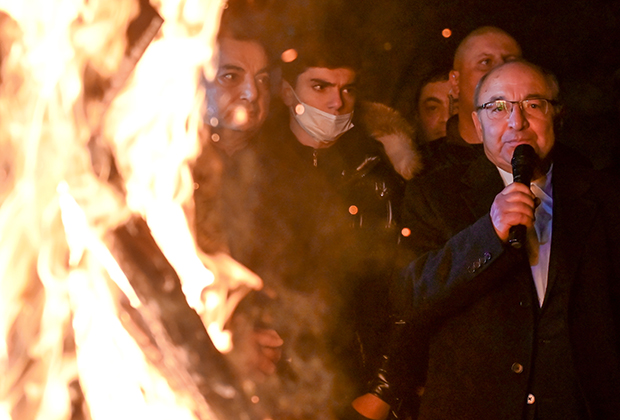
(231, 67)
(503, 98)
(496, 98)
(482, 55)
(322, 82)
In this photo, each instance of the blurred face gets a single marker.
(434, 109)
(330, 90)
(480, 55)
(238, 98)
(514, 82)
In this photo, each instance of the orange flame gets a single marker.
(53, 207)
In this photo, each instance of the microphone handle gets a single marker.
(516, 234)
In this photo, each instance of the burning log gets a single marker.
(173, 335)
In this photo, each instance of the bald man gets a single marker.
(481, 51)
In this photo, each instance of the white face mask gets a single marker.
(321, 125)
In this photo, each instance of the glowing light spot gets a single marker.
(213, 122)
(353, 210)
(196, 185)
(387, 46)
(211, 300)
(215, 137)
(289, 55)
(240, 115)
(255, 399)
(299, 109)
(222, 340)
(446, 33)
(406, 232)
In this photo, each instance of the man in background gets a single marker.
(237, 99)
(482, 50)
(434, 105)
(237, 103)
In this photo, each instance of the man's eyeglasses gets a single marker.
(501, 109)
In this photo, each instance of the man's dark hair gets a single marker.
(242, 27)
(436, 74)
(326, 50)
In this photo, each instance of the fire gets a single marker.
(75, 167)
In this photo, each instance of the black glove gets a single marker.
(385, 379)
(400, 378)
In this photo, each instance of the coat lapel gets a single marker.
(573, 217)
(481, 183)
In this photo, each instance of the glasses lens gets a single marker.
(536, 107)
(501, 109)
(498, 109)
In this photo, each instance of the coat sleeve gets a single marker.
(454, 262)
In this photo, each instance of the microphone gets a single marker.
(524, 161)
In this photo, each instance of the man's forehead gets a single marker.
(511, 79)
(242, 52)
(491, 43)
(435, 90)
(340, 75)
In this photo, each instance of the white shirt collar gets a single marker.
(544, 183)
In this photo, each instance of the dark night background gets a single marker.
(401, 39)
(577, 40)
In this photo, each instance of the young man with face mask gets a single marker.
(334, 171)
(341, 137)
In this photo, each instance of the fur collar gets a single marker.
(389, 127)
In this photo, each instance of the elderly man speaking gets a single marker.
(529, 332)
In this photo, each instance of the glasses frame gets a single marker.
(486, 105)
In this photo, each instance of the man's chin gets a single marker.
(251, 124)
(245, 129)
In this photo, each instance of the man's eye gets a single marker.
(318, 87)
(228, 77)
(498, 107)
(263, 80)
(486, 62)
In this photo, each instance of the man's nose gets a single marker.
(335, 101)
(517, 119)
(444, 115)
(249, 90)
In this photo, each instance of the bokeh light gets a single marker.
(289, 55)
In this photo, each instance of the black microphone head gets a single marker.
(524, 161)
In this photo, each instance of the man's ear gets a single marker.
(477, 124)
(286, 92)
(453, 77)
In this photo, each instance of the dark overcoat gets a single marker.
(476, 299)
